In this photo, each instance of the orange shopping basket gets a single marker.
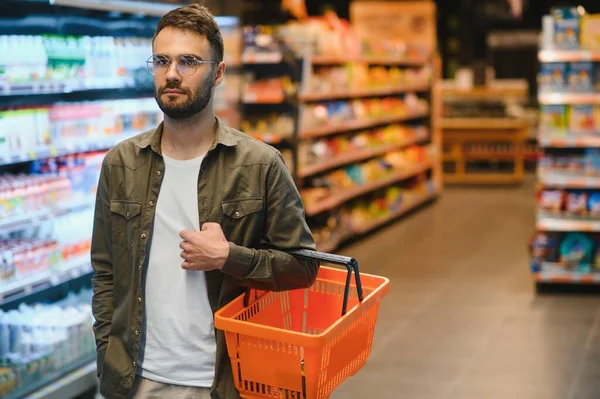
(296, 344)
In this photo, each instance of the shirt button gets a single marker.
(151, 203)
(127, 214)
(237, 215)
(140, 267)
(134, 363)
(144, 236)
(201, 170)
(137, 332)
(139, 299)
(158, 173)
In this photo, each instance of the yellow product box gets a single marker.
(590, 31)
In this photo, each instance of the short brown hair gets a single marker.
(195, 18)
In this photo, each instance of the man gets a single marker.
(187, 216)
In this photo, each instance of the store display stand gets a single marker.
(429, 118)
(564, 249)
(492, 141)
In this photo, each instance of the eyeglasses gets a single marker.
(186, 65)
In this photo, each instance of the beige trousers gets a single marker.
(146, 389)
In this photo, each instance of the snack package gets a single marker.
(590, 31)
(576, 251)
(566, 27)
(551, 200)
(543, 247)
(553, 76)
(582, 119)
(553, 117)
(581, 77)
(577, 203)
(594, 204)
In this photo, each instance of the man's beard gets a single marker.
(194, 104)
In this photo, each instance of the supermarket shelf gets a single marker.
(557, 274)
(568, 181)
(568, 140)
(383, 91)
(362, 124)
(378, 60)
(403, 210)
(481, 123)
(490, 155)
(71, 382)
(39, 93)
(29, 219)
(550, 223)
(18, 288)
(482, 178)
(354, 156)
(568, 55)
(69, 147)
(346, 195)
(568, 98)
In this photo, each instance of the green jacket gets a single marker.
(243, 185)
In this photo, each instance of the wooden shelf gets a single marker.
(482, 123)
(375, 92)
(343, 196)
(354, 156)
(482, 178)
(327, 130)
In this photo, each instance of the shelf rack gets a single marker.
(429, 116)
(556, 142)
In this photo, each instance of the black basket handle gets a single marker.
(350, 263)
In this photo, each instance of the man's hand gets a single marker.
(204, 250)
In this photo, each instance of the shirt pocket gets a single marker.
(242, 220)
(125, 220)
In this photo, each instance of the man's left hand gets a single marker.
(204, 250)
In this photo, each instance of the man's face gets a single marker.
(181, 97)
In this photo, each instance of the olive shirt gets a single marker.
(245, 186)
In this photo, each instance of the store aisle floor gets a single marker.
(463, 320)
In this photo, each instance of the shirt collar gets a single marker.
(223, 136)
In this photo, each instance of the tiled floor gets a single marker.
(463, 320)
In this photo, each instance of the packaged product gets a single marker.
(582, 118)
(581, 77)
(576, 251)
(553, 117)
(566, 27)
(590, 31)
(553, 76)
(551, 200)
(577, 204)
(594, 204)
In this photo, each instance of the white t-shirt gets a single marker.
(178, 344)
